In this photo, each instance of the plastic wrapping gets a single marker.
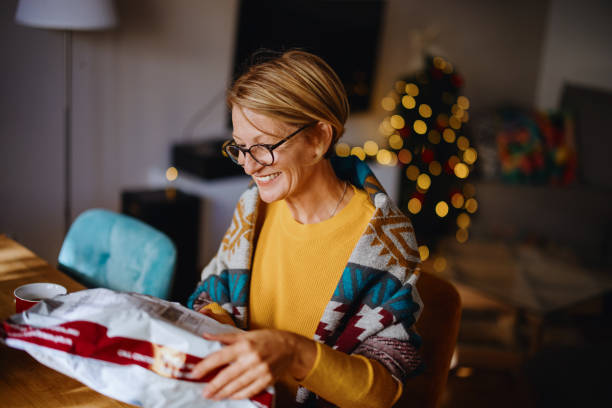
(134, 348)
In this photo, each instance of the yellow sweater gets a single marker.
(295, 271)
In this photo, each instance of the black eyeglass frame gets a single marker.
(269, 147)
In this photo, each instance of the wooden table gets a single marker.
(24, 382)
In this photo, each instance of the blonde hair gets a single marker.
(296, 87)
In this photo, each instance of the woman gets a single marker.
(318, 264)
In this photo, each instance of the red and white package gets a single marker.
(134, 348)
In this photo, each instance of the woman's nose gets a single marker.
(250, 165)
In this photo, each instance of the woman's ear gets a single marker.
(324, 135)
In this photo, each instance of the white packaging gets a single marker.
(134, 348)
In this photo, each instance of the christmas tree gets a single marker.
(427, 131)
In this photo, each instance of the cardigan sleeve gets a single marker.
(351, 380)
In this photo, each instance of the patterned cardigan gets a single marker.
(375, 304)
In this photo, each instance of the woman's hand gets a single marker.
(254, 360)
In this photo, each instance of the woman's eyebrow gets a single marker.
(257, 139)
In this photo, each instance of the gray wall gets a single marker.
(136, 89)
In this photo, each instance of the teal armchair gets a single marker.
(116, 251)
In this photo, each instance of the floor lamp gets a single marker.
(68, 16)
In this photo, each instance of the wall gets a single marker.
(137, 88)
(576, 49)
(31, 149)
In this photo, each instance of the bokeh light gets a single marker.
(388, 103)
(420, 127)
(397, 122)
(405, 156)
(358, 152)
(471, 205)
(343, 149)
(470, 155)
(435, 168)
(457, 200)
(448, 135)
(461, 235)
(461, 170)
(408, 102)
(414, 205)
(463, 143)
(433, 136)
(412, 172)
(423, 252)
(396, 142)
(370, 148)
(463, 221)
(423, 181)
(442, 209)
(412, 89)
(425, 110)
(439, 264)
(171, 173)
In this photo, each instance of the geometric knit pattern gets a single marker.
(375, 304)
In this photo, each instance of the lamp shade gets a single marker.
(67, 14)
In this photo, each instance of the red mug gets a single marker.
(28, 295)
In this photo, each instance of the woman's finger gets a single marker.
(232, 382)
(253, 388)
(225, 338)
(213, 361)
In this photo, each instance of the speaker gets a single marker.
(177, 215)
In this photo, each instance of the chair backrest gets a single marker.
(116, 251)
(438, 327)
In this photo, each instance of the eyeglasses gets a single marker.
(261, 153)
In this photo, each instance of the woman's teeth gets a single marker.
(267, 178)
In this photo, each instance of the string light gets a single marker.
(388, 103)
(384, 157)
(461, 170)
(358, 151)
(435, 168)
(397, 122)
(412, 172)
(442, 209)
(463, 102)
(439, 63)
(433, 136)
(471, 205)
(405, 156)
(423, 252)
(414, 205)
(423, 181)
(385, 127)
(370, 148)
(454, 123)
(171, 173)
(457, 200)
(463, 143)
(408, 102)
(400, 86)
(470, 155)
(419, 126)
(424, 110)
(396, 142)
(412, 89)
(461, 235)
(448, 135)
(343, 150)
(463, 221)
(453, 161)
(439, 264)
